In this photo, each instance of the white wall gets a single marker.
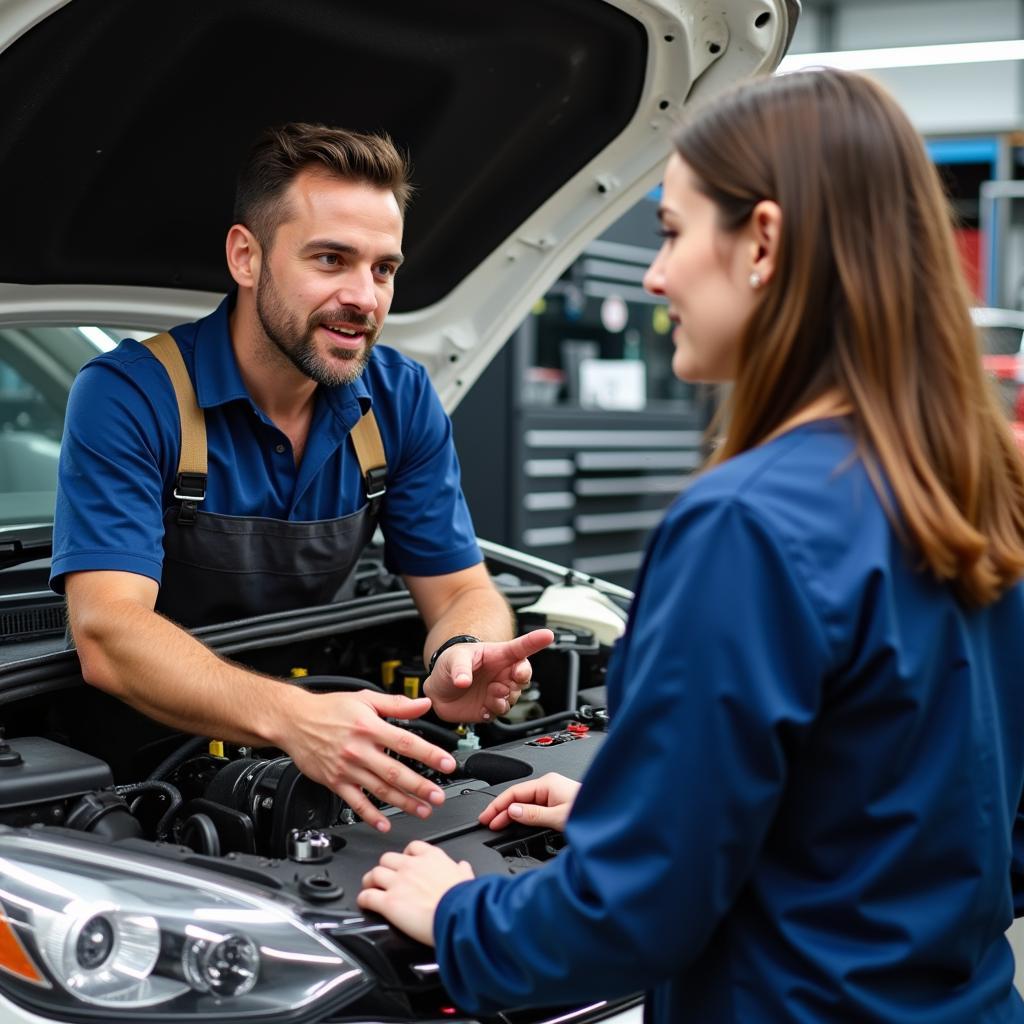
(864, 25)
(963, 98)
(973, 98)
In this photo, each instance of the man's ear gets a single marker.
(243, 255)
(765, 230)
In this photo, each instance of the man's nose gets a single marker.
(358, 290)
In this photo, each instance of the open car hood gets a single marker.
(532, 126)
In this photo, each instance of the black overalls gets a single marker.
(218, 568)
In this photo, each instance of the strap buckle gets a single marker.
(376, 482)
(190, 489)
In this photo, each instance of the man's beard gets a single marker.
(298, 345)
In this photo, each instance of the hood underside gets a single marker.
(124, 123)
(531, 126)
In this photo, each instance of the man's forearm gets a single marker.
(340, 740)
(164, 672)
(479, 611)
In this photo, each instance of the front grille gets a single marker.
(31, 623)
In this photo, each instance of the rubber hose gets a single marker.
(172, 793)
(177, 757)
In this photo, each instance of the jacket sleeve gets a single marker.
(721, 674)
(1017, 863)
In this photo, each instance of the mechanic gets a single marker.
(807, 807)
(253, 483)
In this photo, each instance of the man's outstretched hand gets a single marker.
(475, 682)
(342, 741)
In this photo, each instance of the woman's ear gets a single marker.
(766, 230)
(243, 255)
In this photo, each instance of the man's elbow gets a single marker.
(102, 612)
(98, 629)
(92, 643)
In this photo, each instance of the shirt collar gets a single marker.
(218, 379)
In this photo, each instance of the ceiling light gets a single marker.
(908, 56)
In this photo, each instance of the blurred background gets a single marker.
(578, 436)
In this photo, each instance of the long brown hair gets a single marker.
(868, 299)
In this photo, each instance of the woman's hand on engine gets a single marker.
(543, 803)
(474, 682)
(407, 887)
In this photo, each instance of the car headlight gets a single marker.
(92, 931)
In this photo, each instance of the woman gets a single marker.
(805, 808)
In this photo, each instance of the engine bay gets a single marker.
(86, 770)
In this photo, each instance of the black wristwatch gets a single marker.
(462, 638)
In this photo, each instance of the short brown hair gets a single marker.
(868, 298)
(283, 152)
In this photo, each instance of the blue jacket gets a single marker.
(805, 810)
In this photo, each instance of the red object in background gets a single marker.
(968, 243)
(1009, 371)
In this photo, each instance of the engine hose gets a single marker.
(177, 757)
(346, 684)
(199, 830)
(446, 738)
(172, 793)
(524, 728)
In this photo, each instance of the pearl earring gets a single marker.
(755, 279)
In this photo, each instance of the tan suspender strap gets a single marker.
(192, 457)
(370, 453)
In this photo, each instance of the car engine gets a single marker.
(81, 768)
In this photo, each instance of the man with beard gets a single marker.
(242, 462)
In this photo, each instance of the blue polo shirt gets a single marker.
(119, 458)
(807, 808)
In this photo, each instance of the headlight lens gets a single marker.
(99, 952)
(224, 966)
(100, 929)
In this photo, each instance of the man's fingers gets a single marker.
(393, 784)
(521, 647)
(498, 656)
(395, 797)
(364, 807)
(497, 701)
(394, 705)
(397, 784)
(460, 665)
(522, 673)
(408, 744)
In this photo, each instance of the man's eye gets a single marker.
(386, 269)
(328, 259)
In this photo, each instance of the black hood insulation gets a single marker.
(124, 123)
